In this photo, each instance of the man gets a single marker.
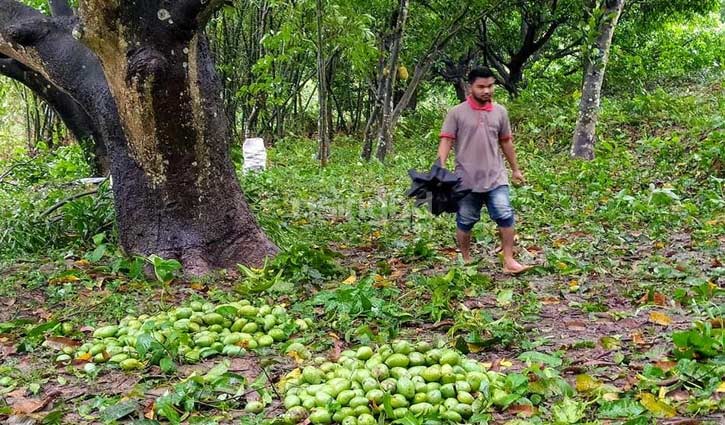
(480, 131)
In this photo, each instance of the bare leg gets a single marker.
(464, 244)
(507, 246)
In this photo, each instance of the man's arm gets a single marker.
(507, 146)
(444, 148)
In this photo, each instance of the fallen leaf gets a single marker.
(523, 410)
(197, 286)
(721, 387)
(665, 365)
(660, 318)
(558, 243)
(656, 298)
(350, 280)
(656, 407)
(610, 396)
(637, 337)
(534, 249)
(609, 342)
(505, 364)
(576, 325)
(85, 357)
(60, 342)
(149, 412)
(586, 383)
(296, 357)
(473, 348)
(83, 263)
(64, 279)
(549, 300)
(24, 406)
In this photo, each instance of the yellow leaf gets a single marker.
(486, 365)
(662, 393)
(473, 348)
(610, 396)
(84, 357)
(296, 357)
(657, 407)
(505, 364)
(721, 388)
(64, 279)
(350, 280)
(586, 383)
(82, 263)
(660, 318)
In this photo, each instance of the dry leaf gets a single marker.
(721, 387)
(149, 412)
(60, 342)
(523, 410)
(665, 365)
(559, 242)
(638, 338)
(350, 280)
(24, 406)
(549, 300)
(576, 325)
(660, 318)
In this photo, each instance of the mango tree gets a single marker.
(144, 75)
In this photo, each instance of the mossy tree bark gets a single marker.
(143, 73)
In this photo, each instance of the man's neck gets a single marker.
(476, 105)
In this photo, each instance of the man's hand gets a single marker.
(518, 177)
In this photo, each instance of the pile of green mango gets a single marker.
(202, 330)
(399, 379)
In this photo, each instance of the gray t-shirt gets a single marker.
(477, 131)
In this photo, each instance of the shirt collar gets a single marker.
(473, 103)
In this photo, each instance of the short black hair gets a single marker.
(483, 72)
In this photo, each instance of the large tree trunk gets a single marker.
(145, 76)
(595, 64)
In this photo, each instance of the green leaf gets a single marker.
(41, 329)
(228, 311)
(95, 255)
(504, 297)
(626, 408)
(568, 411)
(531, 357)
(119, 410)
(167, 365)
(167, 410)
(143, 343)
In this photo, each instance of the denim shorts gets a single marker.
(497, 203)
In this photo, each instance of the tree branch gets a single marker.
(197, 12)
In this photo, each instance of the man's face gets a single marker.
(482, 89)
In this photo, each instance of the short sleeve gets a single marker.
(450, 126)
(504, 131)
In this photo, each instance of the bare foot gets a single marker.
(514, 267)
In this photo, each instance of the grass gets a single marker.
(628, 249)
